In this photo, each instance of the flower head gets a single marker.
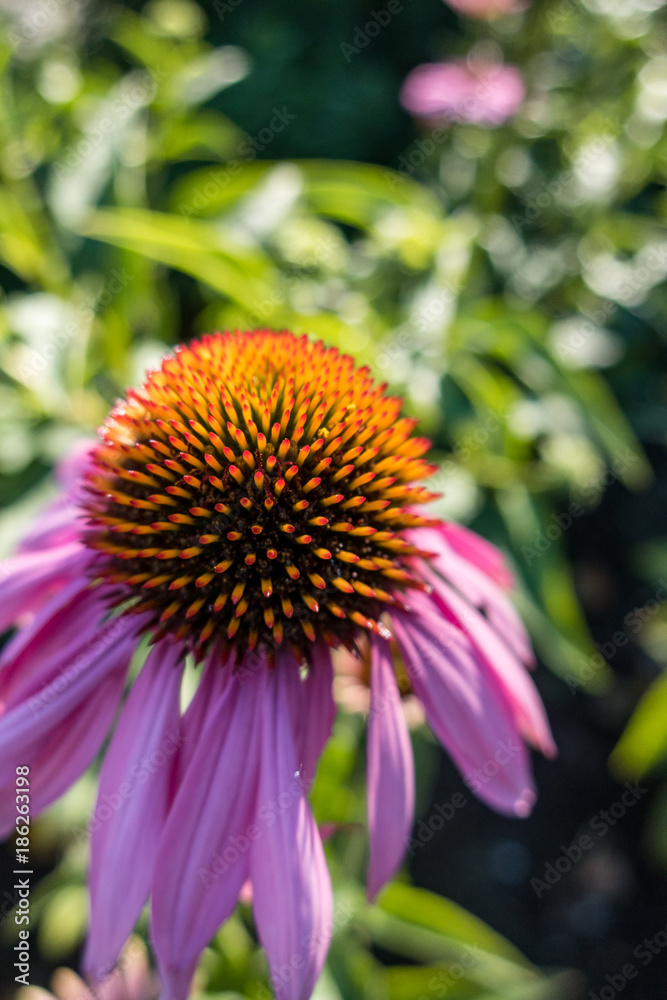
(472, 90)
(254, 504)
(254, 492)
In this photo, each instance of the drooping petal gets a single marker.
(70, 470)
(132, 805)
(202, 860)
(312, 705)
(72, 745)
(25, 726)
(26, 580)
(62, 520)
(477, 587)
(194, 719)
(58, 524)
(390, 768)
(478, 551)
(41, 648)
(466, 708)
(510, 674)
(58, 731)
(291, 886)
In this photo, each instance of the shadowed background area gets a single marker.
(498, 255)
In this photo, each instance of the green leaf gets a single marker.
(643, 745)
(351, 193)
(208, 253)
(407, 982)
(435, 913)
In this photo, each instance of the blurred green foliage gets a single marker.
(508, 282)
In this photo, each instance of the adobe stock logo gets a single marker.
(599, 825)
(644, 953)
(363, 36)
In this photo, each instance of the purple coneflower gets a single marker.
(472, 90)
(486, 9)
(253, 505)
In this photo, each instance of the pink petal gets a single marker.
(391, 782)
(62, 520)
(192, 723)
(71, 469)
(58, 731)
(291, 885)
(312, 704)
(26, 580)
(465, 708)
(58, 524)
(72, 746)
(40, 649)
(132, 805)
(25, 726)
(514, 680)
(478, 551)
(202, 860)
(479, 589)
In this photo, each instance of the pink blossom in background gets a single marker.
(485, 8)
(486, 93)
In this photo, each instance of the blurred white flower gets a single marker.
(578, 342)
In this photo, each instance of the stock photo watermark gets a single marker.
(224, 7)
(290, 278)
(599, 826)
(590, 493)
(247, 150)
(644, 953)
(282, 975)
(553, 190)
(86, 311)
(447, 979)
(238, 845)
(364, 34)
(30, 28)
(634, 621)
(135, 91)
(22, 885)
(426, 829)
(141, 772)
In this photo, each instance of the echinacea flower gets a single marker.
(472, 90)
(485, 9)
(255, 505)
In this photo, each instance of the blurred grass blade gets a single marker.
(208, 254)
(435, 913)
(643, 745)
